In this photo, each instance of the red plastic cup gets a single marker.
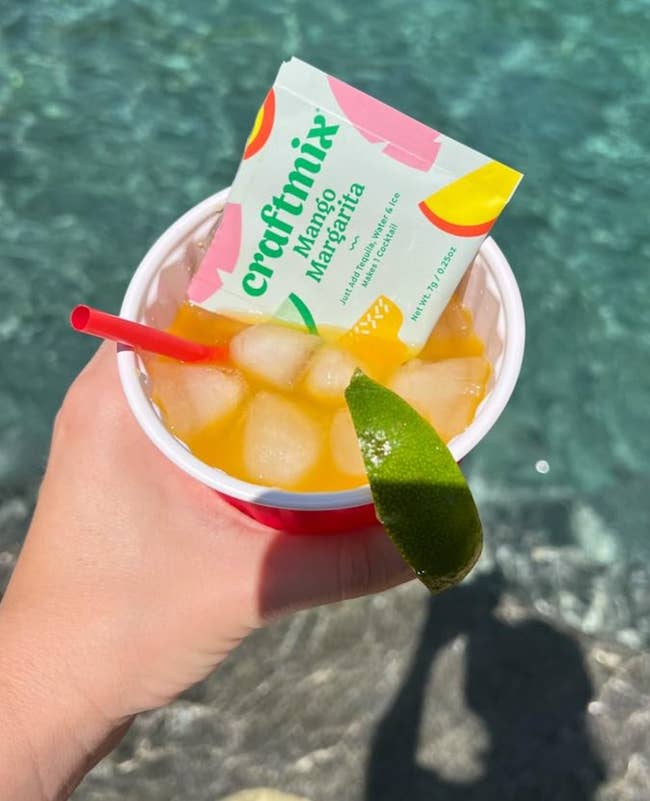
(159, 286)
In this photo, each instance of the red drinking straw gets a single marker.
(108, 326)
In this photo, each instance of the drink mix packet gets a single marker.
(347, 213)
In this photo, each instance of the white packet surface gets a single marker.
(346, 213)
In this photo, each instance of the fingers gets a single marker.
(303, 571)
(102, 365)
(97, 379)
(96, 389)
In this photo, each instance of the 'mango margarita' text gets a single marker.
(334, 232)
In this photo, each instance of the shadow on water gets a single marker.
(527, 683)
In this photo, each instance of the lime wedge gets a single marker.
(420, 494)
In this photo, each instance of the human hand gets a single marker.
(135, 581)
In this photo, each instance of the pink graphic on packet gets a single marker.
(407, 140)
(221, 255)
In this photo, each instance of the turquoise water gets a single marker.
(116, 117)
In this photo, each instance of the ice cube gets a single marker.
(281, 442)
(453, 335)
(445, 393)
(274, 353)
(329, 373)
(345, 445)
(194, 396)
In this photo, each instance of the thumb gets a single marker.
(298, 572)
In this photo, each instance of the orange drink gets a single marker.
(275, 413)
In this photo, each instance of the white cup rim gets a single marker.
(142, 408)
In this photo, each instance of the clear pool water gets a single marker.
(116, 117)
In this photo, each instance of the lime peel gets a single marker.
(420, 493)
